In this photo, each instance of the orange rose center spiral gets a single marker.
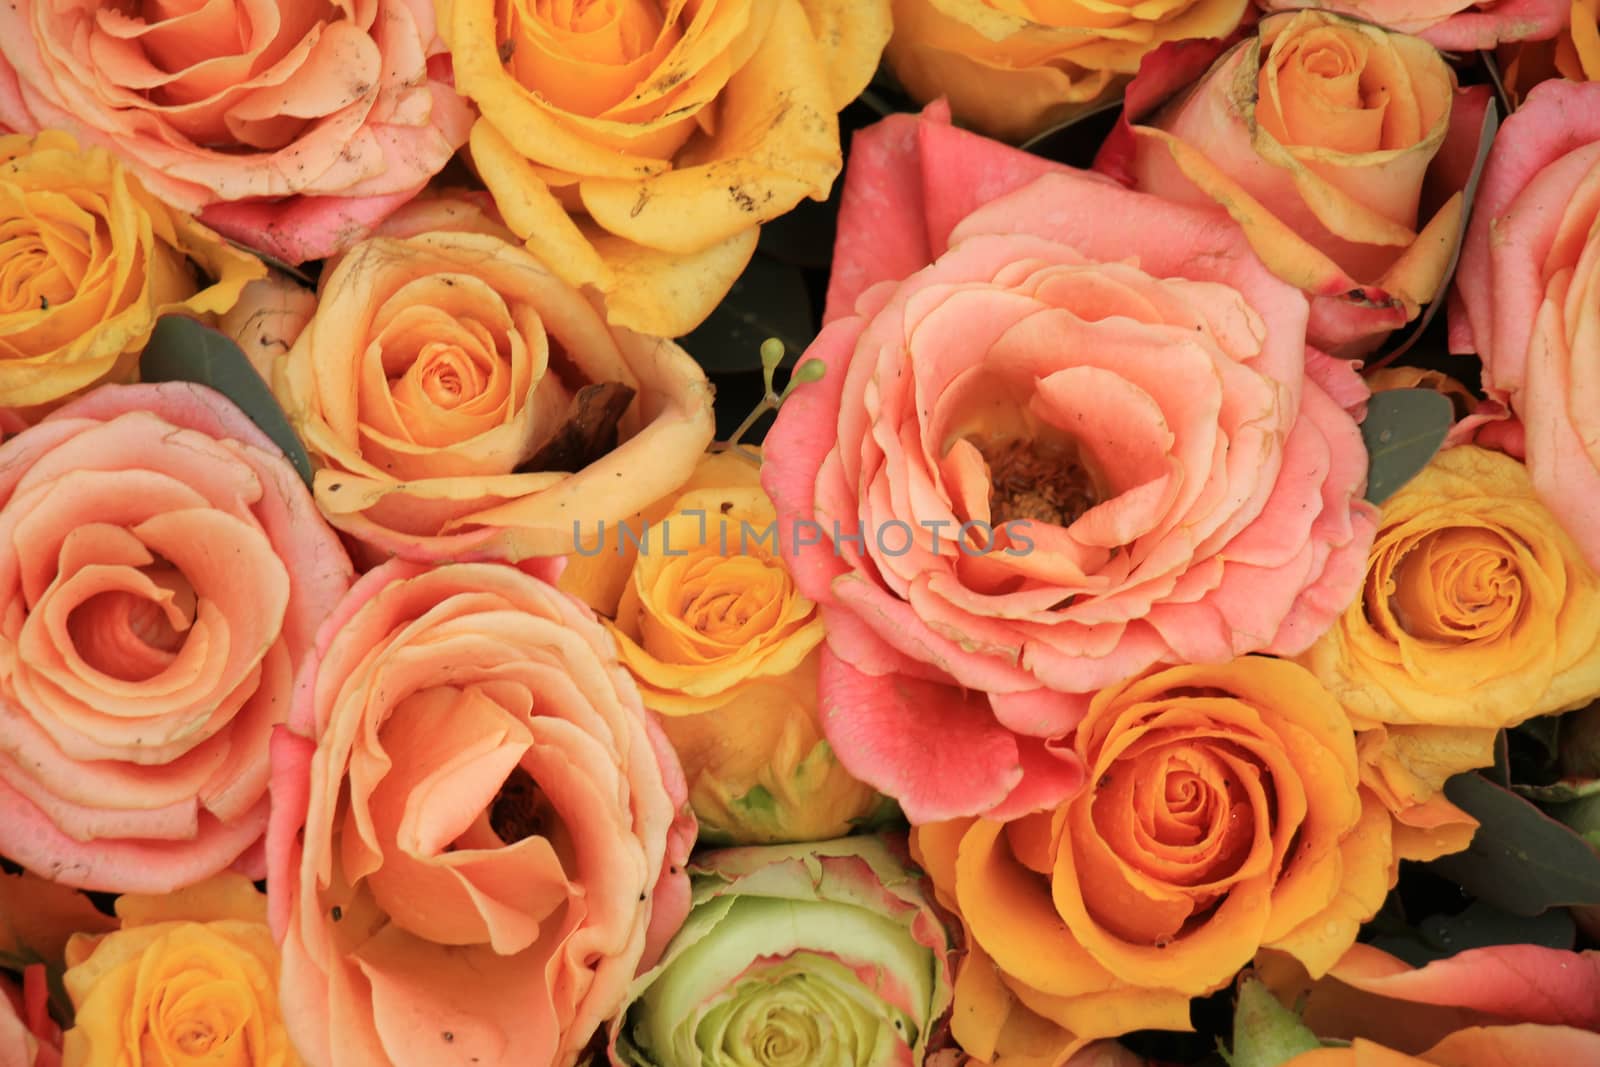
(133, 637)
(1456, 586)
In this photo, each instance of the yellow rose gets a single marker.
(88, 262)
(191, 977)
(1478, 613)
(637, 145)
(1011, 68)
(726, 650)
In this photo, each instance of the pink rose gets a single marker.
(478, 832)
(164, 572)
(1526, 295)
(1117, 389)
(1454, 25)
(292, 128)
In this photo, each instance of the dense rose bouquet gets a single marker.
(771, 533)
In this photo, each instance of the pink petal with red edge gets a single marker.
(961, 171)
(1052, 774)
(670, 904)
(1340, 379)
(304, 228)
(933, 747)
(881, 232)
(793, 454)
(290, 790)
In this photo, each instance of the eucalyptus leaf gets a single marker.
(1491, 67)
(1482, 924)
(183, 350)
(770, 299)
(1403, 429)
(1521, 860)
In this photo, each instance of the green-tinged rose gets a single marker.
(793, 955)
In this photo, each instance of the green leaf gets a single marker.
(770, 299)
(1520, 860)
(1402, 431)
(183, 350)
(1482, 924)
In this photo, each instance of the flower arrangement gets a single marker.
(775, 533)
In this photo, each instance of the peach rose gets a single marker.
(1069, 449)
(1524, 295)
(638, 146)
(1487, 1007)
(1341, 148)
(1013, 69)
(477, 831)
(164, 573)
(28, 1036)
(722, 645)
(190, 978)
(458, 397)
(1454, 25)
(91, 262)
(292, 128)
(1224, 814)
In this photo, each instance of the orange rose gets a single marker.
(164, 574)
(1225, 814)
(493, 827)
(460, 398)
(291, 127)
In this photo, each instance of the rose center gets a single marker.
(132, 637)
(520, 810)
(1457, 585)
(1039, 481)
